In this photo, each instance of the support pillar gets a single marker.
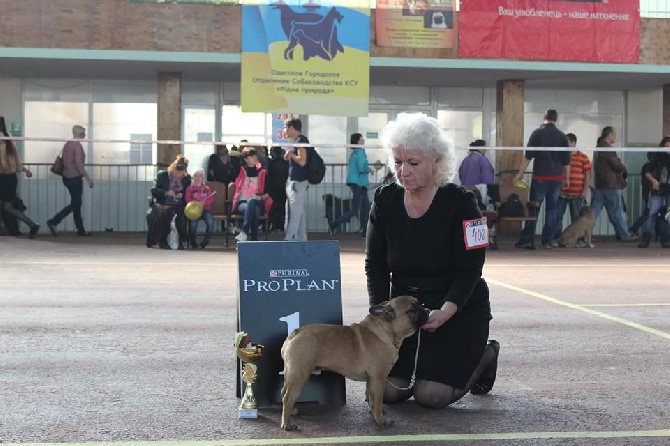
(509, 126)
(666, 109)
(169, 117)
(509, 133)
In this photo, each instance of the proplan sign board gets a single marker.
(283, 286)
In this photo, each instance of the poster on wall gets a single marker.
(304, 58)
(415, 23)
(279, 135)
(561, 30)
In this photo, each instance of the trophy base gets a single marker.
(247, 413)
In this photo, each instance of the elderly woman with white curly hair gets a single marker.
(427, 238)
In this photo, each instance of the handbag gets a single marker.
(18, 204)
(57, 167)
(173, 235)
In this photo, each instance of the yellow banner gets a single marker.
(305, 59)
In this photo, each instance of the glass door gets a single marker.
(370, 127)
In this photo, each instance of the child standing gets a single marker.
(199, 191)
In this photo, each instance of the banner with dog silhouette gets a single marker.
(561, 30)
(415, 23)
(306, 58)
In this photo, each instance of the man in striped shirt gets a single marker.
(574, 196)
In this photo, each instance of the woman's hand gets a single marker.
(27, 173)
(169, 193)
(438, 317)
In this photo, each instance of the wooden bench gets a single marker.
(531, 209)
(219, 209)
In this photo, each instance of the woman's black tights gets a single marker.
(432, 394)
(8, 207)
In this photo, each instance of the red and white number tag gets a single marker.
(475, 233)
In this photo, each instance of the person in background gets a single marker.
(658, 175)
(74, 174)
(276, 186)
(263, 156)
(200, 191)
(10, 166)
(168, 193)
(358, 173)
(574, 196)
(610, 180)
(476, 167)
(421, 242)
(251, 197)
(223, 166)
(645, 186)
(551, 171)
(297, 184)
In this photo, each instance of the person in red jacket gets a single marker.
(251, 197)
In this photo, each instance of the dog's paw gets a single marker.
(289, 426)
(385, 422)
(591, 245)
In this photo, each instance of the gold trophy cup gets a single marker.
(248, 407)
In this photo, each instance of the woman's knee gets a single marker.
(434, 395)
(397, 390)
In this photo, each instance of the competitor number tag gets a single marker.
(475, 233)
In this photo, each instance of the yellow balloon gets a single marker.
(193, 210)
(521, 183)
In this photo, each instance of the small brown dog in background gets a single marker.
(579, 229)
(363, 352)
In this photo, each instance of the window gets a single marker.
(237, 125)
(141, 153)
(48, 119)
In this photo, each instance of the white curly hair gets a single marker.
(417, 131)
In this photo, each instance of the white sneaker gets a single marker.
(241, 237)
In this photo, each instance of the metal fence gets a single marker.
(633, 204)
(118, 200)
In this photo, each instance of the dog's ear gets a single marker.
(384, 311)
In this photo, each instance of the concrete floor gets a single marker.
(103, 340)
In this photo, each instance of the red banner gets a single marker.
(566, 30)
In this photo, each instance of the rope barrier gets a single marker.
(323, 145)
